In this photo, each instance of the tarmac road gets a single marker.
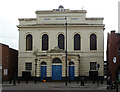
(54, 87)
(58, 91)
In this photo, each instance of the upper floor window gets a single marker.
(29, 42)
(77, 42)
(93, 42)
(61, 41)
(45, 42)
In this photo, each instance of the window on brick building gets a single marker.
(119, 49)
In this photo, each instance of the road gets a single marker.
(58, 91)
(54, 87)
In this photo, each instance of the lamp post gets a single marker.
(35, 69)
(35, 53)
(79, 70)
(69, 72)
(98, 66)
(66, 54)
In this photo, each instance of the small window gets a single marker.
(56, 60)
(43, 63)
(28, 66)
(119, 49)
(71, 63)
(93, 65)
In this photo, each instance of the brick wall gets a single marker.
(112, 51)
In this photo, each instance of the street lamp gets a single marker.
(98, 66)
(66, 54)
(35, 53)
(79, 69)
(35, 69)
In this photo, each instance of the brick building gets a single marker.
(9, 62)
(113, 55)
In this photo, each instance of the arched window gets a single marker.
(45, 42)
(93, 42)
(56, 60)
(77, 42)
(71, 63)
(61, 41)
(29, 42)
(43, 63)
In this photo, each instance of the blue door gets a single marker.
(71, 72)
(56, 72)
(43, 72)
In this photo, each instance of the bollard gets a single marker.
(18, 81)
(10, 81)
(26, 81)
(116, 87)
(77, 80)
(82, 82)
(14, 82)
(69, 81)
(101, 81)
(97, 82)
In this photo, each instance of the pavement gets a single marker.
(54, 86)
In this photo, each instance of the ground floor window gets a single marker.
(93, 65)
(28, 66)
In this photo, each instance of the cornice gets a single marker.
(60, 25)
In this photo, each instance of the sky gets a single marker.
(11, 10)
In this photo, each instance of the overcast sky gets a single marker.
(11, 10)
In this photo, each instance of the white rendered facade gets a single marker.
(52, 23)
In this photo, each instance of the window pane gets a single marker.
(45, 42)
(77, 42)
(93, 42)
(43, 63)
(61, 41)
(93, 65)
(28, 66)
(29, 42)
(119, 49)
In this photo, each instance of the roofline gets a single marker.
(50, 11)
(95, 18)
(4, 44)
(26, 19)
(8, 46)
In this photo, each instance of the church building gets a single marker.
(45, 41)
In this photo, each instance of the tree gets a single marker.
(35, 53)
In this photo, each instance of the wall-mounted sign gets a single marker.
(114, 60)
